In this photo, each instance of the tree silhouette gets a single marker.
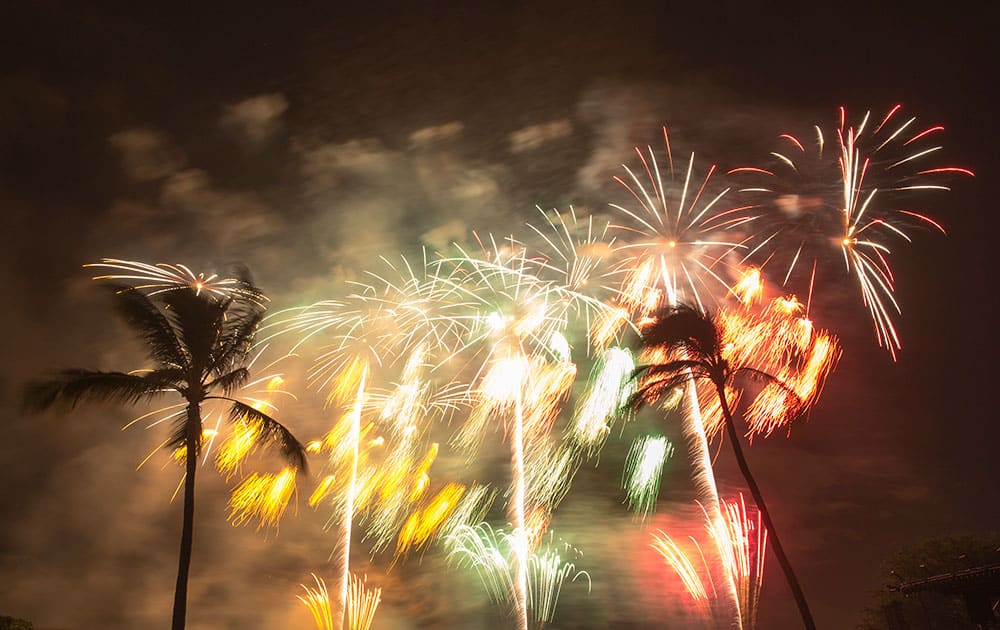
(686, 343)
(199, 342)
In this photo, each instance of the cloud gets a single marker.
(233, 221)
(146, 154)
(534, 136)
(621, 115)
(255, 120)
(433, 135)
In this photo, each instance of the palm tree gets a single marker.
(689, 341)
(199, 342)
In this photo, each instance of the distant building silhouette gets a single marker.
(978, 587)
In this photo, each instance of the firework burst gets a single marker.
(154, 279)
(855, 191)
(672, 236)
(578, 256)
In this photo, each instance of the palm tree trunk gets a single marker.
(187, 533)
(779, 551)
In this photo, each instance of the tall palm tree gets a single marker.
(689, 342)
(199, 342)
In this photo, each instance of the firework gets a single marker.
(317, 600)
(643, 469)
(163, 277)
(744, 544)
(549, 471)
(472, 508)
(403, 319)
(264, 497)
(362, 601)
(780, 341)
(423, 524)
(548, 571)
(505, 301)
(694, 431)
(850, 191)
(672, 241)
(696, 582)
(490, 553)
(577, 255)
(516, 317)
(608, 390)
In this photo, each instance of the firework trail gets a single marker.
(851, 190)
(523, 374)
(673, 241)
(745, 542)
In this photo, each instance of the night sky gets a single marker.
(309, 139)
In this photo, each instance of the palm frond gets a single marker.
(178, 437)
(230, 382)
(70, 387)
(199, 320)
(798, 406)
(271, 431)
(683, 327)
(169, 378)
(652, 390)
(143, 316)
(237, 337)
(667, 370)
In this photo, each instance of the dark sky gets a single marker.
(296, 139)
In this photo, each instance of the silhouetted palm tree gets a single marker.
(690, 342)
(199, 343)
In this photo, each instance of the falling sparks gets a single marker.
(743, 541)
(262, 496)
(426, 522)
(776, 340)
(693, 579)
